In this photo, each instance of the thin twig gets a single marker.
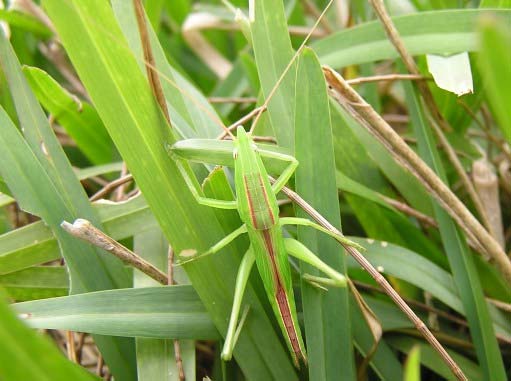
(232, 99)
(420, 326)
(387, 77)
(242, 120)
(177, 347)
(121, 189)
(99, 366)
(411, 66)
(111, 186)
(407, 209)
(363, 112)
(500, 304)
(70, 346)
(84, 230)
(152, 75)
(311, 8)
(440, 124)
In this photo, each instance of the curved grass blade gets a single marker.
(79, 118)
(435, 32)
(413, 268)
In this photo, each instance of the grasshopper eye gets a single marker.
(235, 153)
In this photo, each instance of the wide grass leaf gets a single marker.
(434, 32)
(36, 283)
(157, 312)
(330, 348)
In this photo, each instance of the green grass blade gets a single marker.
(435, 32)
(330, 347)
(35, 244)
(495, 63)
(412, 365)
(139, 131)
(461, 262)
(80, 120)
(36, 283)
(156, 357)
(155, 312)
(273, 52)
(25, 355)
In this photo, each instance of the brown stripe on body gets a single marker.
(254, 211)
(272, 217)
(282, 300)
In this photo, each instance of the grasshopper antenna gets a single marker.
(281, 78)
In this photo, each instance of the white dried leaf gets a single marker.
(452, 73)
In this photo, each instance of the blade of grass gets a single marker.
(273, 52)
(462, 264)
(411, 267)
(190, 112)
(156, 360)
(329, 345)
(435, 32)
(495, 64)
(412, 365)
(35, 243)
(152, 312)
(36, 283)
(78, 118)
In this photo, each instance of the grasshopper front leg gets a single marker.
(193, 185)
(187, 256)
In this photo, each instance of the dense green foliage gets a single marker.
(77, 112)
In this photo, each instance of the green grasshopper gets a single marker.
(256, 203)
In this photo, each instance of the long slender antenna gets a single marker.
(295, 56)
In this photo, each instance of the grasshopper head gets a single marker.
(243, 142)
